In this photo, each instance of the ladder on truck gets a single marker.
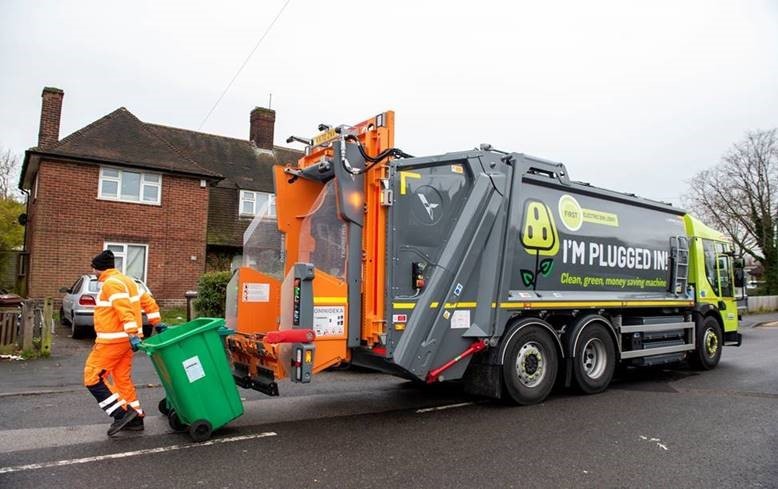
(679, 264)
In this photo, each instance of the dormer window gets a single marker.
(252, 202)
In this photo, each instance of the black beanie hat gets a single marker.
(103, 261)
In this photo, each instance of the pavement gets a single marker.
(651, 428)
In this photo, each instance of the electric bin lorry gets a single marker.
(490, 267)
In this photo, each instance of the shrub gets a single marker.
(212, 294)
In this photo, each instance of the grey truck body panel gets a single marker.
(495, 231)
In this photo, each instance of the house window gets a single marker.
(252, 203)
(131, 259)
(129, 186)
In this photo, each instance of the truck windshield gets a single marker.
(323, 236)
(718, 268)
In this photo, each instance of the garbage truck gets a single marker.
(490, 267)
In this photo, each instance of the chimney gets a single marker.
(51, 108)
(263, 123)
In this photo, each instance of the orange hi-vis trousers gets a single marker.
(115, 394)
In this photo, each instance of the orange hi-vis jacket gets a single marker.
(118, 308)
(150, 307)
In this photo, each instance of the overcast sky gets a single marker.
(631, 96)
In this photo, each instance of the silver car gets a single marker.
(78, 306)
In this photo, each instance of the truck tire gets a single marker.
(594, 359)
(709, 340)
(530, 364)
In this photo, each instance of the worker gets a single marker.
(118, 326)
(150, 308)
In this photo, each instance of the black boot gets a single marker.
(135, 425)
(122, 420)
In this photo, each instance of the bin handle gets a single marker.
(148, 349)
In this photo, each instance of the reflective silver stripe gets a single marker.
(136, 406)
(118, 295)
(116, 406)
(135, 298)
(109, 400)
(129, 325)
(112, 336)
(153, 315)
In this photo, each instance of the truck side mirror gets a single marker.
(64, 290)
(740, 273)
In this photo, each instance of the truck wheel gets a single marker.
(200, 430)
(530, 365)
(709, 343)
(594, 359)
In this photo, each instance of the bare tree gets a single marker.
(9, 171)
(738, 197)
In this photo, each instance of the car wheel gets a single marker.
(77, 332)
(62, 319)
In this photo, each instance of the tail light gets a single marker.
(87, 300)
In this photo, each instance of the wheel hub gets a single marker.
(711, 342)
(594, 358)
(530, 364)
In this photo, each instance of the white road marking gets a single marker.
(441, 408)
(656, 440)
(148, 451)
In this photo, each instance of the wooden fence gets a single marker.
(28, 327)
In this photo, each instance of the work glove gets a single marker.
(160, 328)
(134, 343)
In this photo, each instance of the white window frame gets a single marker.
(118, 181)
(123, 254)
(251, 196)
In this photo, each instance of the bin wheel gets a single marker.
(200, 430)
(163, 408)
(174, 422)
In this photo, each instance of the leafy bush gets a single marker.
(212, 294)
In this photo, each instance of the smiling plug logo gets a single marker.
(539, 237)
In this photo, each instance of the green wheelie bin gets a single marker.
(201, 395)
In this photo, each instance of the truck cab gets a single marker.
(714, 276)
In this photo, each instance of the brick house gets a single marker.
(171, 203)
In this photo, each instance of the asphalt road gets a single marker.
(354, 429)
